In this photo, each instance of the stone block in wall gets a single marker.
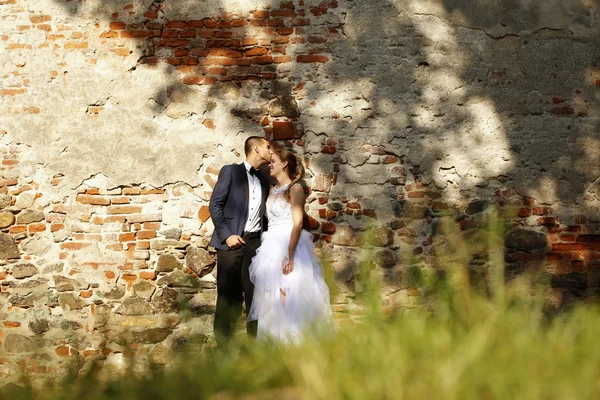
(21, 271)
(5, 201)
(29, 216)
(525, 239)
(179, 279)
(8, 247)
(37, 245)
(18, 344)
(7, 219)
(135, 306)
(199, 261)
(166, 301)
(167, 263)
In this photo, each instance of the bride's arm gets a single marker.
(297, 200)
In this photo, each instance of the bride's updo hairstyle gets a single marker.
(294, 169)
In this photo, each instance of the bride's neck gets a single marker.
(282, 180)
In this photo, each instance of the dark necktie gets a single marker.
(253, 171)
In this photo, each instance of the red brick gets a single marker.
(169, 34)
(328, 227)
(176, 24)
(195, 24)
(283, 13)
(261, 14)
(223, 35)
(62, 351)
(258, 22)
(311, 58)
(281, 40)
(139, 34)
(146, 235)
(35, 228)
(223, 43)
(226, 53)
(109, 274)
(91, 353)
(120, 200)
(143, 245)
(74, 245)
(273, 23)
(215, 71)
(11, 324)
(285, 31)
(238, 23)
(188, 33)
(203, 214)
(127, 237)
(249, 42)
(224, 61)
(124, 209)
(538, 211)
(151, 14)
(524, 212)
(94, 200)
(117, 26)
(17, 229)
(262, 60)
(147, 275)
(285, 130)
(37, 19)
(313, 223)
(588, 239)
(257, 51)
(86, 294)
(56, 227)
(568, 247)
(174, 42)
(547, 221)
(129, 278)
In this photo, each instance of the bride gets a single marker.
(290, 294)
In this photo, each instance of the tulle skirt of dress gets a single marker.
(307, 303)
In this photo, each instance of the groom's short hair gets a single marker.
(251, 142)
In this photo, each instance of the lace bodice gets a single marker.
(279, 210)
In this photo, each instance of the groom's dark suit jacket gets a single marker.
(229, 204)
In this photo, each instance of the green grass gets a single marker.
(479, 350)
(465, 343)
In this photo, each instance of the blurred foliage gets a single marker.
(495, 343)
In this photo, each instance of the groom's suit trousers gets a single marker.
(233, 280)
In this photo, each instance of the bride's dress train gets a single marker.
(287, 306)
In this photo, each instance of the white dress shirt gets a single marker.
(254, 201)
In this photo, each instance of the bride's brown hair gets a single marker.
(295, 169)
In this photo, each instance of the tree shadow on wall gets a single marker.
(463, 98)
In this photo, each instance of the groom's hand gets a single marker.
(234, 242)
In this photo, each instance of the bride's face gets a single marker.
(276, 166)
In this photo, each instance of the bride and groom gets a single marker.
(264, 257)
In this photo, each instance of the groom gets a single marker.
(237, 209)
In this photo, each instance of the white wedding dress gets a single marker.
(306, 306)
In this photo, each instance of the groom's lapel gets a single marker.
(244, 179)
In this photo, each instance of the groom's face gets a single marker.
(264, 151)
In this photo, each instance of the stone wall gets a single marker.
(414, 118)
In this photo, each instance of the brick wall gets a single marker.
(416, 124)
